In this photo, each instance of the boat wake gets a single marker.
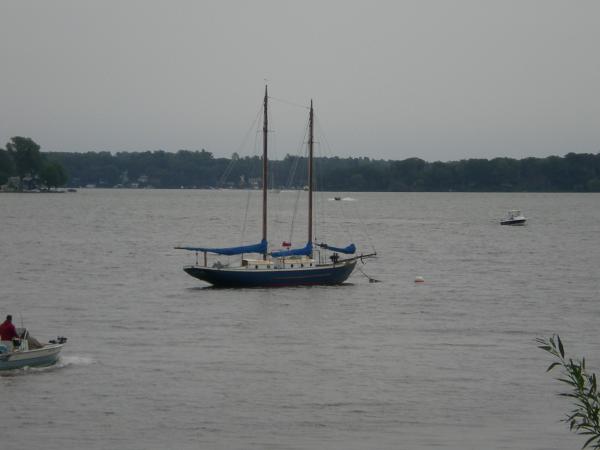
(63, 362)
(71, 360)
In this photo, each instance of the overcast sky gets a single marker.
(440, 80)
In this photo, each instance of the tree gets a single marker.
(584, 418)
(593, 185)
(7, 167)
(26, 155)
(408, 174)
(53, 175)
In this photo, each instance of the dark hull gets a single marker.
(513, 222)
(227, 277)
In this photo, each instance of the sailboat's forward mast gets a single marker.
(265, 172)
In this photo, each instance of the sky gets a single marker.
(434, 79)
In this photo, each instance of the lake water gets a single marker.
(155, 360)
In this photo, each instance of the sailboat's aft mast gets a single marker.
(310, 174)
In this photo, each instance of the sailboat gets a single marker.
(308, 265)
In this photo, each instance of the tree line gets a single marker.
(574, 172)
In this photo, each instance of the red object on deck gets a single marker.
(286, 244)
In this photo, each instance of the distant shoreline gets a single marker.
(38, 192)
(200, 170)
(107, 188)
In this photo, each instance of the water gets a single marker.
(155, 361)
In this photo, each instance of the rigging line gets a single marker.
(245, 217)
(322, 135)
(364, 226)
(289, 102)
(274, 203)
(292, 175)
(296, 201)
(232, 163)
(275, 200)
(250, 191)
(366, 231)
(320, 194)
(319, 163)
(226, 173)
(297, 157)
(321, 221)
(346, 221)
(371, 279)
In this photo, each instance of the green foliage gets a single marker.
(7, 166)
(572, 173)
(593, 185)
(582, 389)
(53, 175)
(26, 155)
(22, 158)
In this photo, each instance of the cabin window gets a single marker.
(310, 264)
(291, 265)
(301, 265)
(268, 267)
(256, 267)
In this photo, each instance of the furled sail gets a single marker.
(307, 250)
(347, 250)
(256, 248)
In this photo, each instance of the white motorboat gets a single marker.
(514, 217)
(28, 351)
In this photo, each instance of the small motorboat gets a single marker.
(337, 198)
(28, 351)
(514, 217)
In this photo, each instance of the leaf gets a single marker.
(590, 440)
(565, 380)
(552, 366)
(560, 346)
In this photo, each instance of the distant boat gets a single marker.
(285, 267)
(28, 352)
(337, 198)
(513, 217)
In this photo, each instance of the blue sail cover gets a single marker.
(347, 250)
(307, 250)
(256, 248)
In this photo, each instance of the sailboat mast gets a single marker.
(265, 173)
(310, 174)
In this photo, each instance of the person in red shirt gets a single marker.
(8, 332)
